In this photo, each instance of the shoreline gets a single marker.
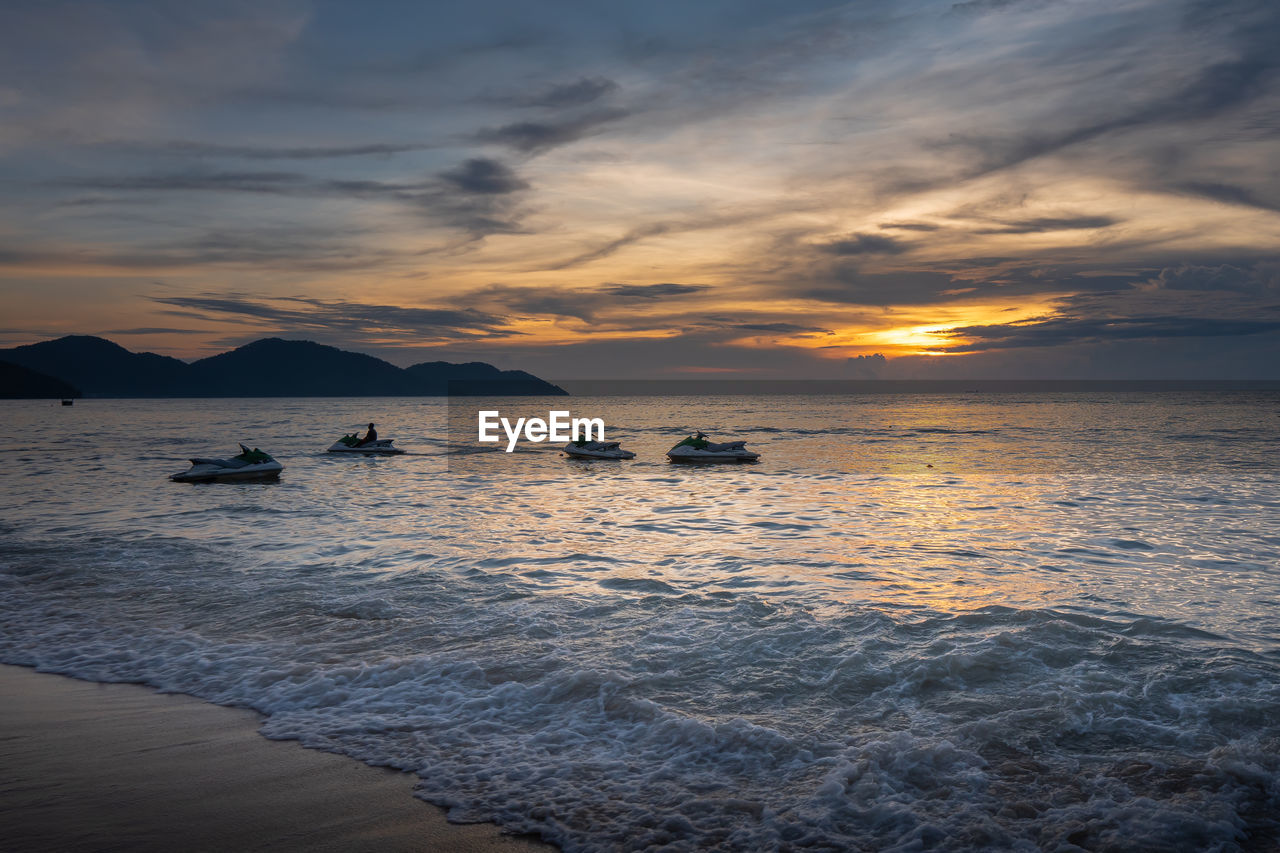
(87, 766)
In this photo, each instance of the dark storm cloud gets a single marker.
(288, 248)
(865, 244)
(911, 287)
(534, 137)
(302, 313)
(454, 51)
(483, 176)
(292, 248)
(477, 196)
(781, 328)
(981, 6)
(651, 291)
(252, 152)
(1259, 279)
(586, 304)
(1227, 193)
(280, 183)
(576, 94)
(152, 330)
(476, 176)
(1159, 311)
(940, 283)
(1049, 223)
(910, 226)
(1062, 331)
(545, 302)
(328, 99)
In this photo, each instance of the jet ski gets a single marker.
(696, 448)
(597, 450)
(248, 465)
(351, 444)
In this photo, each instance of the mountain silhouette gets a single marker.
(101, 368)
(270, 367)
(277, 368)
(20, 383)
(475, 378)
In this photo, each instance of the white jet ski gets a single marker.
(597, 450)
(351, 444)
(696, 448)
(249, 465)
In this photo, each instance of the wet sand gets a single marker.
(98, 767)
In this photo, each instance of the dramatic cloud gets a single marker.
(1065, 330)
(476, 196)
(782, 328)
(532, 137)
(614, 301)
(578, 93)
(853, 287)
(151, 330)
(484, 177)
(910, 226)
(240, 182)
(251, 152)
(302, 314)
(865, 244)
(1050, 223)
(651, 291)
(1227, 193)
(826, 188)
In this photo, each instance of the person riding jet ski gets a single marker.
(370, 444)
(696, 448)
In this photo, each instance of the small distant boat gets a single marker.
(377, 447)
(68, 402)
(696, 448)
(597, 450)
(248, 465)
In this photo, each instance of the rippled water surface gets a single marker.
(1038, 621)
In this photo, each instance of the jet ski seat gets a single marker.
(221, 463)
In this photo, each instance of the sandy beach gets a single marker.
(87, 766)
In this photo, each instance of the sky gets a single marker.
(919, 189)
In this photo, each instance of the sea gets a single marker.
(922, 621)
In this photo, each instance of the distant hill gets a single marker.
(101, 368)
(276, 368)
(20, 383)
(475, 378)
(267, 368)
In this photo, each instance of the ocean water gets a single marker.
(952, 621)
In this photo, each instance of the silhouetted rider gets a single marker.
(370, 437)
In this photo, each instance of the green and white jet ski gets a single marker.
(696, 448)
(248, 465)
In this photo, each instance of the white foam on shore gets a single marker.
(698, 724)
